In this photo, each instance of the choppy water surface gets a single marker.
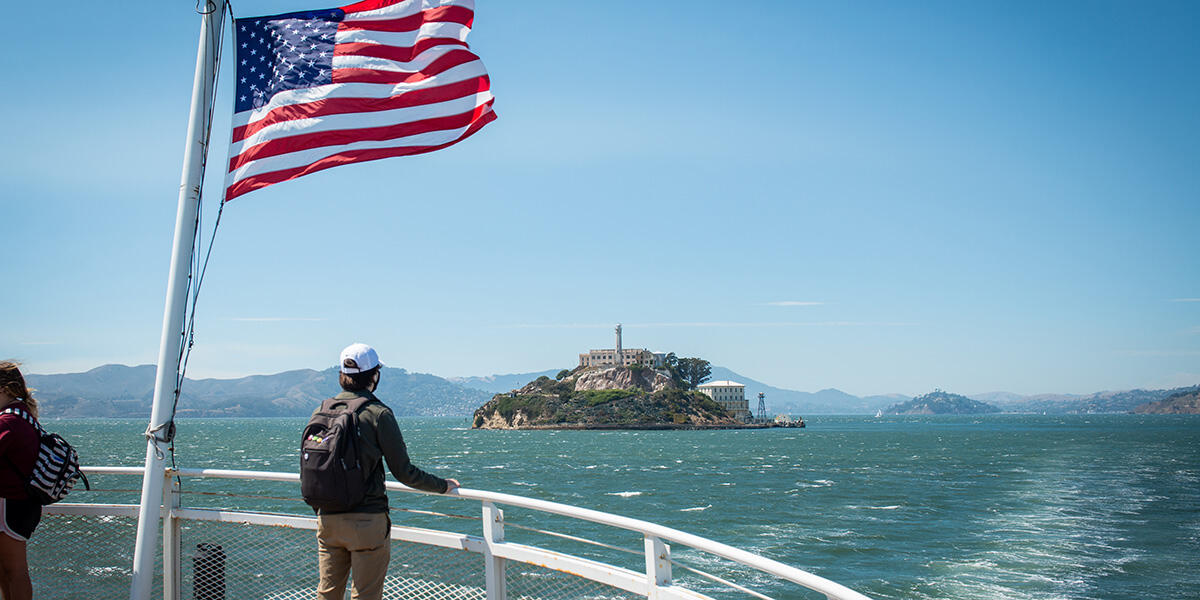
(1010, 506)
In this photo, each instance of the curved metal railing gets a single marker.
(264, 549)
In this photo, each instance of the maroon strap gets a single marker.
(21, 412)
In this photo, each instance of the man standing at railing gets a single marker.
(354, 539)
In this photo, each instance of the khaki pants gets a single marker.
(353, 543)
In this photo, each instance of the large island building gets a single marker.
(731, 395)
(620, 357)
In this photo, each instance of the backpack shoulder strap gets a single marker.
(356, 404)
(352, 404)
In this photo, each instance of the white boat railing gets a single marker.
(212, 552)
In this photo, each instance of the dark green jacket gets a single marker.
(380, 440)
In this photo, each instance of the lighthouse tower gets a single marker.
(619, 360)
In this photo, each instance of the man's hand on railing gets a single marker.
(451, 485)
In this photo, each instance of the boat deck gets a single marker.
(245, 535)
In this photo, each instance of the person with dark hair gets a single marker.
(19, 514)
(357, 542)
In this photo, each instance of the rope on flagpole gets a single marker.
(198, 269)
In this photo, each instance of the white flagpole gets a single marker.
(161, 414)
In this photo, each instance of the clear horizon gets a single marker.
(874, 198)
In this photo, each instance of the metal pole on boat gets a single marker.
(161, 413)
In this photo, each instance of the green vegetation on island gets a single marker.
(688, 373)
(938, 402)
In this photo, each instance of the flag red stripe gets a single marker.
(396, 53)
(319, 139)
(444, 14)
(341, 106)
(259, 181)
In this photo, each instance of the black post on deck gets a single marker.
(208, 567)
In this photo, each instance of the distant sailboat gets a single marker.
(879, 413)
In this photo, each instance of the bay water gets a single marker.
(1036, 507)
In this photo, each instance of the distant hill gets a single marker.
(828, 401)
(121, 391)
(107, 391)
(1099, 402)
(941, 403)
(1005, 400)
(1186, 402)
(496, 384)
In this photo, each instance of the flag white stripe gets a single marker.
(308, 157)
(404, 39)
(459, 73)
(381, 118)
(406, 9)
(420, 63)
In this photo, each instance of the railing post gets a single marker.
(658, 565)
(493, 533)
(171, 539)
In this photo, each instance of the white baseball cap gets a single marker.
(364, 358)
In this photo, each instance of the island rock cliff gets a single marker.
(614, 378)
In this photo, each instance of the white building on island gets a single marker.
(731, 395)
(613, 357)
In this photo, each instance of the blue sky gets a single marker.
(877, 197)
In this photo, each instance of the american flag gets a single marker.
(371, 80)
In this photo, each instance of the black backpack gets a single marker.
(332, 478)
(56, 468)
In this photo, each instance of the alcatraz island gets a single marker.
(618, 388)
